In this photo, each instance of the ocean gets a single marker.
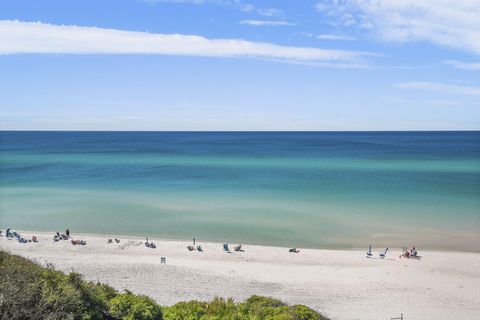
(296, 189)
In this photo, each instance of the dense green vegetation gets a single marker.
(30, 291)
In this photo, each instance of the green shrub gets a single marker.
(128, 306)
(30, 291)
(255, 308)
(191, 310)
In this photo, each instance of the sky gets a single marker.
(240, 65)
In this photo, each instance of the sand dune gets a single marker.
(340, 284)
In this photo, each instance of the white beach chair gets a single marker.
(383, 254)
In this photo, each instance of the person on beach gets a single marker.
(413, 252)
(67, 232)
(193, 241)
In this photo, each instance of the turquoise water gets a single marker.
(305, 189)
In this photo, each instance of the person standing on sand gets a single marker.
(67, 232)
(194, 241)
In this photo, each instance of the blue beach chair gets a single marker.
(369, 252)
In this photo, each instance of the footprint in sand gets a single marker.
(129, 244)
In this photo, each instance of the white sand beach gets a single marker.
(340, 284)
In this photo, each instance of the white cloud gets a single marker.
(236, 4)
(463, 65)
(334, 37)
(440, 102)
(441, 87)
(452, 23)
(270, 12)
(18, 37)
(270, 23)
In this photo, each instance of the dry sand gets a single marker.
(340, 284)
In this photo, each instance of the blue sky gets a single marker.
(240, 65)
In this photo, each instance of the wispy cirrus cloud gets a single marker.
(270, 12)
(463, 65)
(268, 23)
(237, 4)
(452, 23)
(18, 37)
(334, 37)
(440, 87)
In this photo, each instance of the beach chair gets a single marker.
(163, 260)
(369, 252)
(225, 247)
(383, 254)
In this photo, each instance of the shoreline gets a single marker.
(341, 284)
(437, 248)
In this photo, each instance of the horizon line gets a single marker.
(244, 131)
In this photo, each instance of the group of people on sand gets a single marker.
(236, 248)
(63, 236)
(9, 234)
(407, 253)
(194, 247)
(79, 242)
(150, 245)
(226, 248)
(410, 253)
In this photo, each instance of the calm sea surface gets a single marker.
(310, 189)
